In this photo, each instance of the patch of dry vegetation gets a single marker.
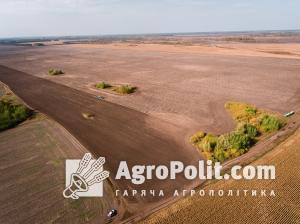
(251, 123)
(125, 89)
(53, 72)
(121, 89)
(264, 121)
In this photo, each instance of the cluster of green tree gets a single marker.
(12, 114)
(251, 123)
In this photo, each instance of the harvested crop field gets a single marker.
(32, 164)
(283, 208)
(184, 85)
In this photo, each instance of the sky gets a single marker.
(21, 18)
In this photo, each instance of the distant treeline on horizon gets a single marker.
(112, 37)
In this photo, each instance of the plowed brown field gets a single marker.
(116, 132)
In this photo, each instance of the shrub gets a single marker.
(103, 85)
(11, 115)
(197, 137)
(223, 142)
(53, 71)
(219, 155)
(223, 147)
(246, 128)
(125, 89)
(234, 153)
(239, 141)
(251, 130)
(209, 142)
(209, 155)
(270, 123)
(241, 111)
(251, 111)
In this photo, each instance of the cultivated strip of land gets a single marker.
(32, 165)
(115, 132)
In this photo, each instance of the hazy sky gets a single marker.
(79, 17)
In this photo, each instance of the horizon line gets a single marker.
(149, 34)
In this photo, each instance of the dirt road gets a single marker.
(116, 132)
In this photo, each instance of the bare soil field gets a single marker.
(283, 208)
(186, 85)
(32, 164)
(115, 132)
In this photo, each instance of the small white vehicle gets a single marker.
(99, 97)
(289, 114)
(112, 213)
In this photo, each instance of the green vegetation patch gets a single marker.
(197, 137)
(12, 114)
(269, 123)
(121, 89)
(251, 123)
(247, 129)
(125, 89)
(53, 71)
(103, 85)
